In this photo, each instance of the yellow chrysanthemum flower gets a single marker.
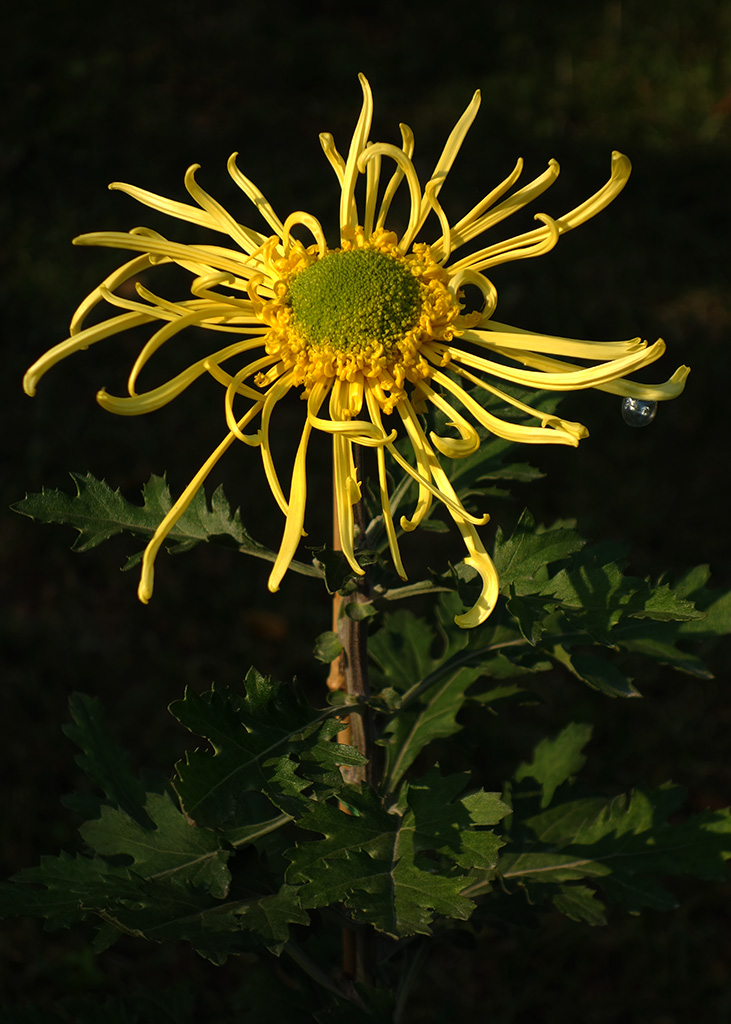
(375, 327)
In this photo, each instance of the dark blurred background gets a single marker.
(136, 93)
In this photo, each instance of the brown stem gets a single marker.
(350, 672)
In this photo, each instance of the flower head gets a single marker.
(370, 333)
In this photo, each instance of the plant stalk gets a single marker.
(349, 672)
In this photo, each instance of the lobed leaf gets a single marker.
(98, 513)
(373, 860)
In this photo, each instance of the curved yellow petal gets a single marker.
(311, 223)
(493, 334)
(430, 469)
(293, 530)
(526, 246)
(276, 392)
(156, 398)
(421, 475)
(147, 576)
(550, 432)
(201, 258)
(255, 195)
(509, 206)
(571, 379)
(79, 342)
(387, 149)
(450, 446)
(620, 172)
(249, 239)
(407, 147)
(348, 211)
(334, 157)
(118, 277)
(485, 605)
(458, 230)
(485, 285)
(446, 159)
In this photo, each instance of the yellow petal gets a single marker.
(348, 213)
(447, 158)
(407, 146)
(249, 239)
(80, 341)
(293, 529)
(147, 576)
(510, 338)
(571, 379)
(550, 432)
(255, 195)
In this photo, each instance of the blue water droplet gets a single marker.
(638, 413)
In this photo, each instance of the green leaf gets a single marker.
(436, 692)
(530, 612)
(625, 842)
(580, 903)
(434, 717)
(401, 650)
(666, 605)
(597, 671)
(594, 595)
(715, 605)
(269, 740)
(658, 641)
(103, 760)
(556, 760)
(66, 890)
(522, 559)
(98, 513)
(374, 860)
(327, 647)
(172, 849)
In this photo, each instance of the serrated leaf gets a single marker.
(268, 740)
(715, 605)
(68, 884)
(658, 641)
(626, 843)
(556, 760)
(522, 559)
(434, 717)
(401, 649)
(580, 903)
(530, 612)
(666, 605)
(103, 760)
(594, 594)
(597, 671)
(76, 889)
(371, 859)
(593, 598)
(172, 848)
(98, 513)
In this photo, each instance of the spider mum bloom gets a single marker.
(371, 333)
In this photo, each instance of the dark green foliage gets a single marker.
(625, 844)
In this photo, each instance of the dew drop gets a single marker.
(638, 413)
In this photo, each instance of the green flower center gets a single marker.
(353, 300)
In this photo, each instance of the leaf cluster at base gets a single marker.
(258, 829)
